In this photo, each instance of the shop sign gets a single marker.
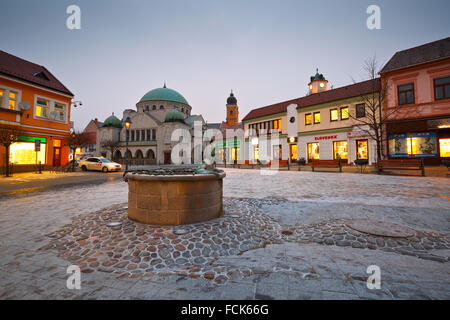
(31, 139)
(325, 138)
(439, 124)
(224, 144)
(37, 145)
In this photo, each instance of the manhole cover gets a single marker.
(287, 232)
(380, 228)
(180, 231)
(114, 224)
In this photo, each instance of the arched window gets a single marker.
(182, 110)
(154, 107)
(139, 155)
(147, 108)
(150, 154)
(161, 107)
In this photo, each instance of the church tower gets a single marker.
(318, 83)
(232, 110)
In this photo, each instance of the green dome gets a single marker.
(112, 121)
(164, 94)
(174, 116)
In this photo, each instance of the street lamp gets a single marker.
(73, 151)
(127, 126)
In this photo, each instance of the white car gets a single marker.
(99, 164)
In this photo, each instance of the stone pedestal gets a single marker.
(174, 199)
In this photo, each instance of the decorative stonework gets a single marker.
(133, 249)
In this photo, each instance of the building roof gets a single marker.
(232, 101)
(174, 116)
(27, 71)
(164, 94)
(354, 90)
(213, 125)
(429, 52)
(112, 121)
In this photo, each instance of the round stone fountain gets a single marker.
(175, 196)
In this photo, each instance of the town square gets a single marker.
(163, 164)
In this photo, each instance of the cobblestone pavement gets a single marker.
(259, 253)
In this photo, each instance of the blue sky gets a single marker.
(264, 50)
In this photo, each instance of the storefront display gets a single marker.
(362, 149)
(340, 150)
(313, 151)
(24, 153)
(413, 145)
(444, 148)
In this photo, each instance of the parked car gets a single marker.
(99, 164)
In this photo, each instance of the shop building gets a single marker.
(418, 97)
(32, 99)
(317, 126)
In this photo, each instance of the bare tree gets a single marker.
(373, 123)
(112, 146)
(8, 135)
(77, 140)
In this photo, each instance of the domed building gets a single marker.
(158, 113)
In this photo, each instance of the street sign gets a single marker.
(37, 145)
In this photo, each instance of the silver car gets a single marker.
(99, 164)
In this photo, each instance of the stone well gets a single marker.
(175, 199)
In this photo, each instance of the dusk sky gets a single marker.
(264, 50)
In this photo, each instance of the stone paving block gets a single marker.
(234, 291)
(267, 291)
(337, 285)
(332, 295)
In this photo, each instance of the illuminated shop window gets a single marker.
(415, 144)
(23, 153)
(293, 150)
(344, 113)
(256, 153)
(340, 150)
(334, 116)
(362, 149)
(317, 117)
(313, 151)
(444, 145)
(42, 108)
(234, 153)
(308, 119)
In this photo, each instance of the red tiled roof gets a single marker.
(30, 72)
(425, 53)
(354, 90)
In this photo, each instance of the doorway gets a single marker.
(293, 152)
(57, 156)
(167, 158)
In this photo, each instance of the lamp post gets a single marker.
(73, 150)
(127, 126)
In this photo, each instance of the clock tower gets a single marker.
(232, 110)
(318, 83)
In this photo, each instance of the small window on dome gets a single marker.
(154, 107)
(147, 108)
(182, 110)
(161, 107)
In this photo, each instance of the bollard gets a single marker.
(40, 167)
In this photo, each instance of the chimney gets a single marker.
(96, 121)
